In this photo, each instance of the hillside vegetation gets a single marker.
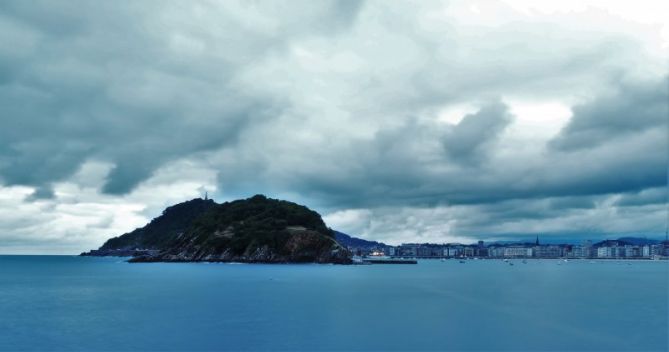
(257, 229)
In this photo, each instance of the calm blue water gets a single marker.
(73, 303)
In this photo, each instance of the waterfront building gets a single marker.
(408, 250)
(603, 252)
(550, 251)
(437, 251)
(423, 251)
(468, 252)
(603, 249)
(496, 252)
(579, 252)
(517, 252)
(632, 251)
(611, 252)
(481, 252)
(660, 249)
(452, 252)
(618, 251)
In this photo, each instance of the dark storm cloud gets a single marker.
(649, 196)
(572, 203)
(467, 141)
(631, 108)
(408, 165)
(82, 81)
(340, 105)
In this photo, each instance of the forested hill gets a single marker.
(257, 229)
(173, 221)
(354, 242)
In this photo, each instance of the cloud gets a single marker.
(114, 84)
(630, 108)
(508, 220)
(358, 109)
(466, 141)
(79, 216)
(649, 196)
(407, 165)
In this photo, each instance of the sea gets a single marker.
(70, 303)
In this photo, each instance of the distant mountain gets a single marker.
(638, 241)
(623, 241)
(257, 229)
(354, 242)
(578, 240)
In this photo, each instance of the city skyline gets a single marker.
(625, 248)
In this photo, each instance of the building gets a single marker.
(408, 250)
(423, 251)
(603, 252)
(632, 251)
(468, 251)
(611, 252)
(550, 251)
(517, 252)
(578, 251)
(496, 251)
(454, 251)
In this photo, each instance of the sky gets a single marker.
(421, 121)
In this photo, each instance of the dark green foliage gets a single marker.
(262, 213)
(257, 229)
(254, 222)
(174, 220)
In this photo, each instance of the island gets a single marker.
(253, 230)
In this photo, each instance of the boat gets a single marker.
(524, 261)
(462, 261)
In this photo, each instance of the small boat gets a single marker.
(510, 263)
(462, 261)
(524, 261)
